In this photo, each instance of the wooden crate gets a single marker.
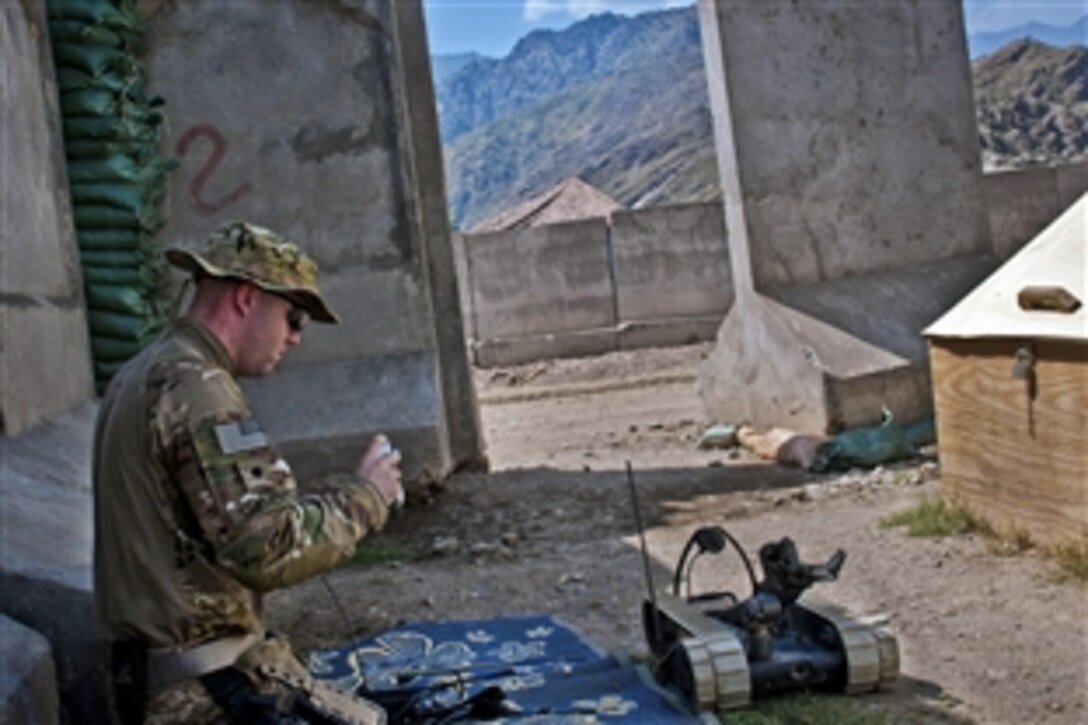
(1018, 462)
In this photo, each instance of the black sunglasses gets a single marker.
(297, 318)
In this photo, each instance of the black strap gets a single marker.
(128, 680)
(234, 692)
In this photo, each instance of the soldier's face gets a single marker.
(269, 333)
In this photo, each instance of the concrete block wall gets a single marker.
(671, 273)
(317, 119)
(45, 365)
(661, 276)
(1023, 202)
(647, 277)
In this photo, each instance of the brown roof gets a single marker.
(569, 200)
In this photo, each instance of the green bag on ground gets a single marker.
(865, 447)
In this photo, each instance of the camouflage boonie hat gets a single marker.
(245, 251)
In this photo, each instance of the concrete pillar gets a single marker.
(851, 181)
(317, 119)
(45, 367)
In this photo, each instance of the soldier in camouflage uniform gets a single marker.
(197, 515)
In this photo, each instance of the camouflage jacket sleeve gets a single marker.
(240, 496)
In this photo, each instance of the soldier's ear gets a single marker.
(245, 298)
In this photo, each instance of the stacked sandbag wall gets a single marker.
(116, 174)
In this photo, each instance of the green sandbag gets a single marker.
(95, 60)
(118, 168)
(134, 277)
(105, 14)
(70, 79)
(113, 259)
(109, 129)
(114, 298)
(98, 216)
(115, 324)
(112, 349)
(81, 33)
(89, 103)
(128, 197)
(109, 239)
(139, 151)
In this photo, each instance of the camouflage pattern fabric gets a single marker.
(196, 514)
(276, 674)
(245, 251)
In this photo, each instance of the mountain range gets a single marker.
(621, 102)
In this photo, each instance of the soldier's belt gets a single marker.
(165, 667)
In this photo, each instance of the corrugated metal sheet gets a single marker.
(1056, 257)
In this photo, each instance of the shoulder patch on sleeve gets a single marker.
(238, 436)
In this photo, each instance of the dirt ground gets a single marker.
(983, 637)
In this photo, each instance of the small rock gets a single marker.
(715, 464)
(482, 548)
(734, 454)
(656, 426)
(429, 602)
(632, 428)
(444, 545)
(510, 539)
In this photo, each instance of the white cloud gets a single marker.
(535, 10)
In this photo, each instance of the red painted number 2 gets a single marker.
(196, 186)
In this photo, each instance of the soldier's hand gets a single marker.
(380, 465)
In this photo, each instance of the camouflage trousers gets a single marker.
(276, 674)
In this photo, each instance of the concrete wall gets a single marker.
(850, 134)
(847, 151)
(44, 355)
(650, 277)
(661, 276)
(317, 119)
(1022, 202)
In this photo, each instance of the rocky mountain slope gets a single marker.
(622, 103)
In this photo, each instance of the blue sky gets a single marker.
(492, 27)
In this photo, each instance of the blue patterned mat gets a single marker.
(533, 668)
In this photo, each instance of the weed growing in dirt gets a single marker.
(809, 709)
(1070, 564)
(937, 517)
